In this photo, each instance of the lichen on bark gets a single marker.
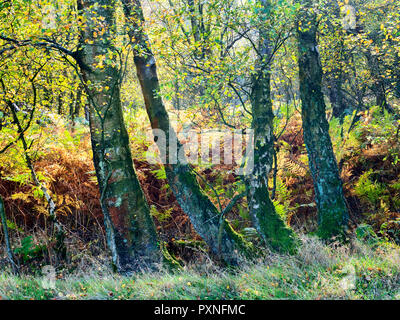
(331, 205)
(130, 230)
(272, 229)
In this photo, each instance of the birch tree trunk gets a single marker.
(9, 251)
(130, 230)
(265, 219)
(194, 202)
(58, 231)
(331, 205)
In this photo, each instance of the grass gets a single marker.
(318, 271)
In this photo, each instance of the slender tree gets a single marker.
(206, 219)
(131, 234)
(332, 210)
(58, 231)
(268, 223)
(3, 220)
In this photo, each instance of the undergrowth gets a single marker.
(318, 271)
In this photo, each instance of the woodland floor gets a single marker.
(353, 271)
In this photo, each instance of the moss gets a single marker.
(194, 243)
(280, 237)
(245, 247)
(270, 225)
(169, 260)
(331, 222)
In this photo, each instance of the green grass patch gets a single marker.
(318, 271)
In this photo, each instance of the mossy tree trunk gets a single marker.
(265, 219)
(3, 220)
(332, 209)
(131, 234)
(194, 202)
